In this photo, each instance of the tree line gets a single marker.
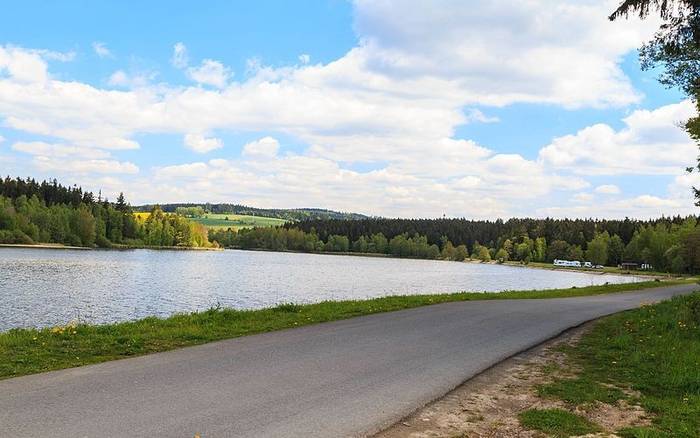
(667, 244)
(47, 212)
(490, 233)
(289, 214)
(294, 239)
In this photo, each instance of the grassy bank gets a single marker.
(237, 221)
(605, 270)
(27, 351)
(649, 356)
(116, 246)
(41, 246)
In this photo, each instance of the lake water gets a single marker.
(45, 287)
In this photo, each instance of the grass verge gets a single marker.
(655, 351)
(557, 422)
(28, 351)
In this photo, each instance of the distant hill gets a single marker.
(293, 214)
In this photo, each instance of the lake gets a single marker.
(45, 287)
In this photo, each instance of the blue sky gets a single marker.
(387, 108)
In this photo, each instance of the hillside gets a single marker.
(296, 214)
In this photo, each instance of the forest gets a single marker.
(666, 244)
(48, 212)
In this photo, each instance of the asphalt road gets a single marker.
(345, 378)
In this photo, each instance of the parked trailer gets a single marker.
(567, 263)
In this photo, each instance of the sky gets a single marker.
(479, 109)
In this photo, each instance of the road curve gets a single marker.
(344, 378)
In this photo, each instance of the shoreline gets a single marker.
(26, 351)
(116, 247)
(534, 265)
(606, 270)
(43, 246)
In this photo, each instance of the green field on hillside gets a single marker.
(236, 221)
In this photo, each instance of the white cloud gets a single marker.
(138, 80)
(475, 115)
(179, 58)
(84, 166)
(304, 58)
(201, 144)
(503, 52)
(583, 197)
(265, 147)
(608, 189)
(2, 139)
(210, 72)
(23, 66)
(650, 143)
(119, 78)
(642, 206)
(101, 50)
(44, 149)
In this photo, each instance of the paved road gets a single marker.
(345, 378)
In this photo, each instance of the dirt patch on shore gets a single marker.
(488, 405)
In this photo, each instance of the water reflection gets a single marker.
(42, 287)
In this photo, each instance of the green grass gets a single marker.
(237, 221)
(27, 351)
(556, 422)
(580, 391)
(654, 350)
(606, 269)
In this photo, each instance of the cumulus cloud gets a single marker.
(583, 197)
(501, 52)
(265, 147)
(84, 166)
(23, 66)
(210, 72)
(101, 50)
(608, 189)
(650, 143)
(304, 58)
(201, 144)
(41, 148)
(122, 79)
(642, 206)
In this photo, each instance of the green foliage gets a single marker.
(481, 253)
(574, 253)
(502, 255)
(559, 249)
(161, 229)
(557, 422)
(597, 252)
(31, 219)
(190, 212)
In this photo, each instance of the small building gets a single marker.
(629, 266)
